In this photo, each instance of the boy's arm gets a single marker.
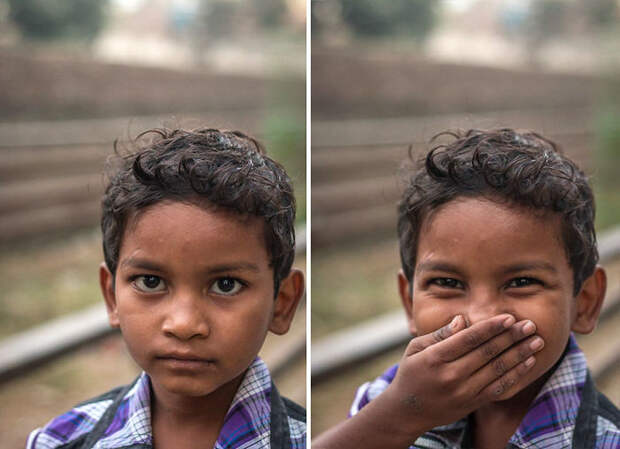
(442, 377)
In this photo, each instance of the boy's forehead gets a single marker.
(480, 221)
(462, 206)
(193, 223)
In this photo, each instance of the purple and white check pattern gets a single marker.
(549, 422)
(247, 423)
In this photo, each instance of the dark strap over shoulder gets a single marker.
(584, 436)
(95, 435)
(593, 405)
(280, 431)
(281, 409)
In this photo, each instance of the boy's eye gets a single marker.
(446, 282)
(226, 286)
(149, 283)
(523, 282)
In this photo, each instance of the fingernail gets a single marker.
(509, 321)
(455, 322)
(529, 328)
(530, 361)
(536, 344)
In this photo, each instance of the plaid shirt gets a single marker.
(567, 412)
(127, 423)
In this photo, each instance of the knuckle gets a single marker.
(445, 355)
(523, 352)
(489, 350)
(499, 366)
(461, 396)
(415, 346)
(432, 359)
(499, 388)
(440, 334)
(448, 377)
(472, 339)
(505, 383)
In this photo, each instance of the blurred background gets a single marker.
(74, 76)
(387, 74)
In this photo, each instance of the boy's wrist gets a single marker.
(401, 421)
(380, 423)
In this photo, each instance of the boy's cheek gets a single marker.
(429, 318)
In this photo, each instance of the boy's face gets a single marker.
(479, 258)
(194, 297)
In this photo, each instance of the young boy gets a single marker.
(499, 257)
(198, 240)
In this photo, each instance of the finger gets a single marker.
(504, 363)
(469, 339)
(497, 388)
(419, 344)
(492, 348)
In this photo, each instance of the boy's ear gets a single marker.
(106, 282)
(291, 291)
(405, 290)
(589, 302)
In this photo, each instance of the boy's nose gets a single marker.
(484, 304)
(184, 319)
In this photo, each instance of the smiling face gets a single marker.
(479, 258)
(193, 296)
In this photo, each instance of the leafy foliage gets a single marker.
(57, 19)
(389, 17)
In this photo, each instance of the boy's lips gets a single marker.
(185, 358)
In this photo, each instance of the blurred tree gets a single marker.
(219, 17)
(57, 19)
(600, 13)
(548, 17)
(389, 17)
(270, 13)
(547, 20)
(325, 17)
(315, 21)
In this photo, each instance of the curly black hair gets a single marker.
(522, 168)
(207, 167)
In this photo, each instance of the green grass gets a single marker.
(41, 283)
(607, 208)
(353, 284)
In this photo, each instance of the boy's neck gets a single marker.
(182, 421)
(496, 422)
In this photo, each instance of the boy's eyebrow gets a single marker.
(239, 266)
(145, 264)
(527, 266)
(136, 262)
(437, 266)
(515, 268)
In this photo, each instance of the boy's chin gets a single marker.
(197, 386)
(190, 389)
(526, 389)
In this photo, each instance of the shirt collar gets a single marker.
(247, 419)
(551, 418)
